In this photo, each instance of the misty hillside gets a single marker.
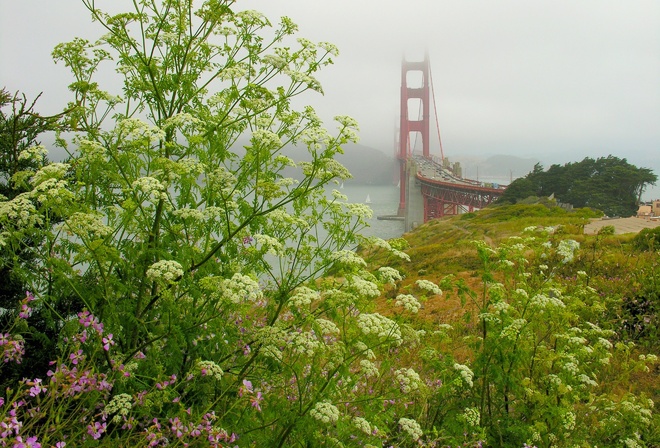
(368, 166)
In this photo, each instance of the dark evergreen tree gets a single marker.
(608, 184)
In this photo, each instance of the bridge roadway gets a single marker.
(435, 191)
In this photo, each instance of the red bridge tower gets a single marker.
(408, 125)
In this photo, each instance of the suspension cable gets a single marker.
(435, 111)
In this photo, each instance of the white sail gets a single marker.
(368, 200)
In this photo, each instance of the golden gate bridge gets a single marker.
(430, 186)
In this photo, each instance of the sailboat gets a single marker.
(368, 200)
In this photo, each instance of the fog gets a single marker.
(556, 80)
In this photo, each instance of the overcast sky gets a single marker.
(556, 80)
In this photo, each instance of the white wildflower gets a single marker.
(150, 186)
(87, 225)
(348, 258)
(361, 347)
(336, 194)
(223, 179)
(500, 306)
(389, 275)
(189, 166)
(428, 286)
(401, 254)
(362, 211)
(368, 368)
(512, 330)
(135, 129)
(543, 301)
(379, 242)
(182, 120)
(120, 405)
(466, 374)
(327, 326)
(411, 427)
(568, 421)
(303, 297)
(347, 121)
(472, 416)
(192, 214)
(325, 412)
(304, 343)
(407, 379)
(364, 287)
(209, 368)
(330, 48)
(607, 345)
(284, 160)
(379, 326)
(50, 171)
(566, 249)
(36, 153)
(265, 138)
(167, 270)
(269, 244)
(19, 212)
(241, 288)
(584, 379)
(408, 302)
(271, 351)
(362, 424)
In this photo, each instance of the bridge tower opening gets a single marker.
(408, 125)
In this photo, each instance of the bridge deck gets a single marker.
(434, 174)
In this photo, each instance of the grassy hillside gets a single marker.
(493, 280)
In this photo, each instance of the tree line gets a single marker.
(609, 184)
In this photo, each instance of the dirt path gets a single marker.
(621, 225)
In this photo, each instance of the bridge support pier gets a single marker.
(415, 201)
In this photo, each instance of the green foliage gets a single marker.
(609, 184)
(647, 239)
(196, 295)
(540, 358)
(21, 154)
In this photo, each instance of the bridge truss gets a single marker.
(447, 198)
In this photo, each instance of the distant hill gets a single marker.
(369, 166)
(501, 168)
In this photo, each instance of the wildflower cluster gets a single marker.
(466, 374)
(411, 427)
(408, 302)
(119, 407)
(389, 275)
(209, 368)
(380, 326)
(325, 412)
(13, 348)
(407, 379)
(167, 271)
(428, 286)
(303, 297)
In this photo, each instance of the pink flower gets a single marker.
(37, 387)
(256, 400)
(97, 430)
(76, 357)
(31, 442)
(177, 427)
(107, 342)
